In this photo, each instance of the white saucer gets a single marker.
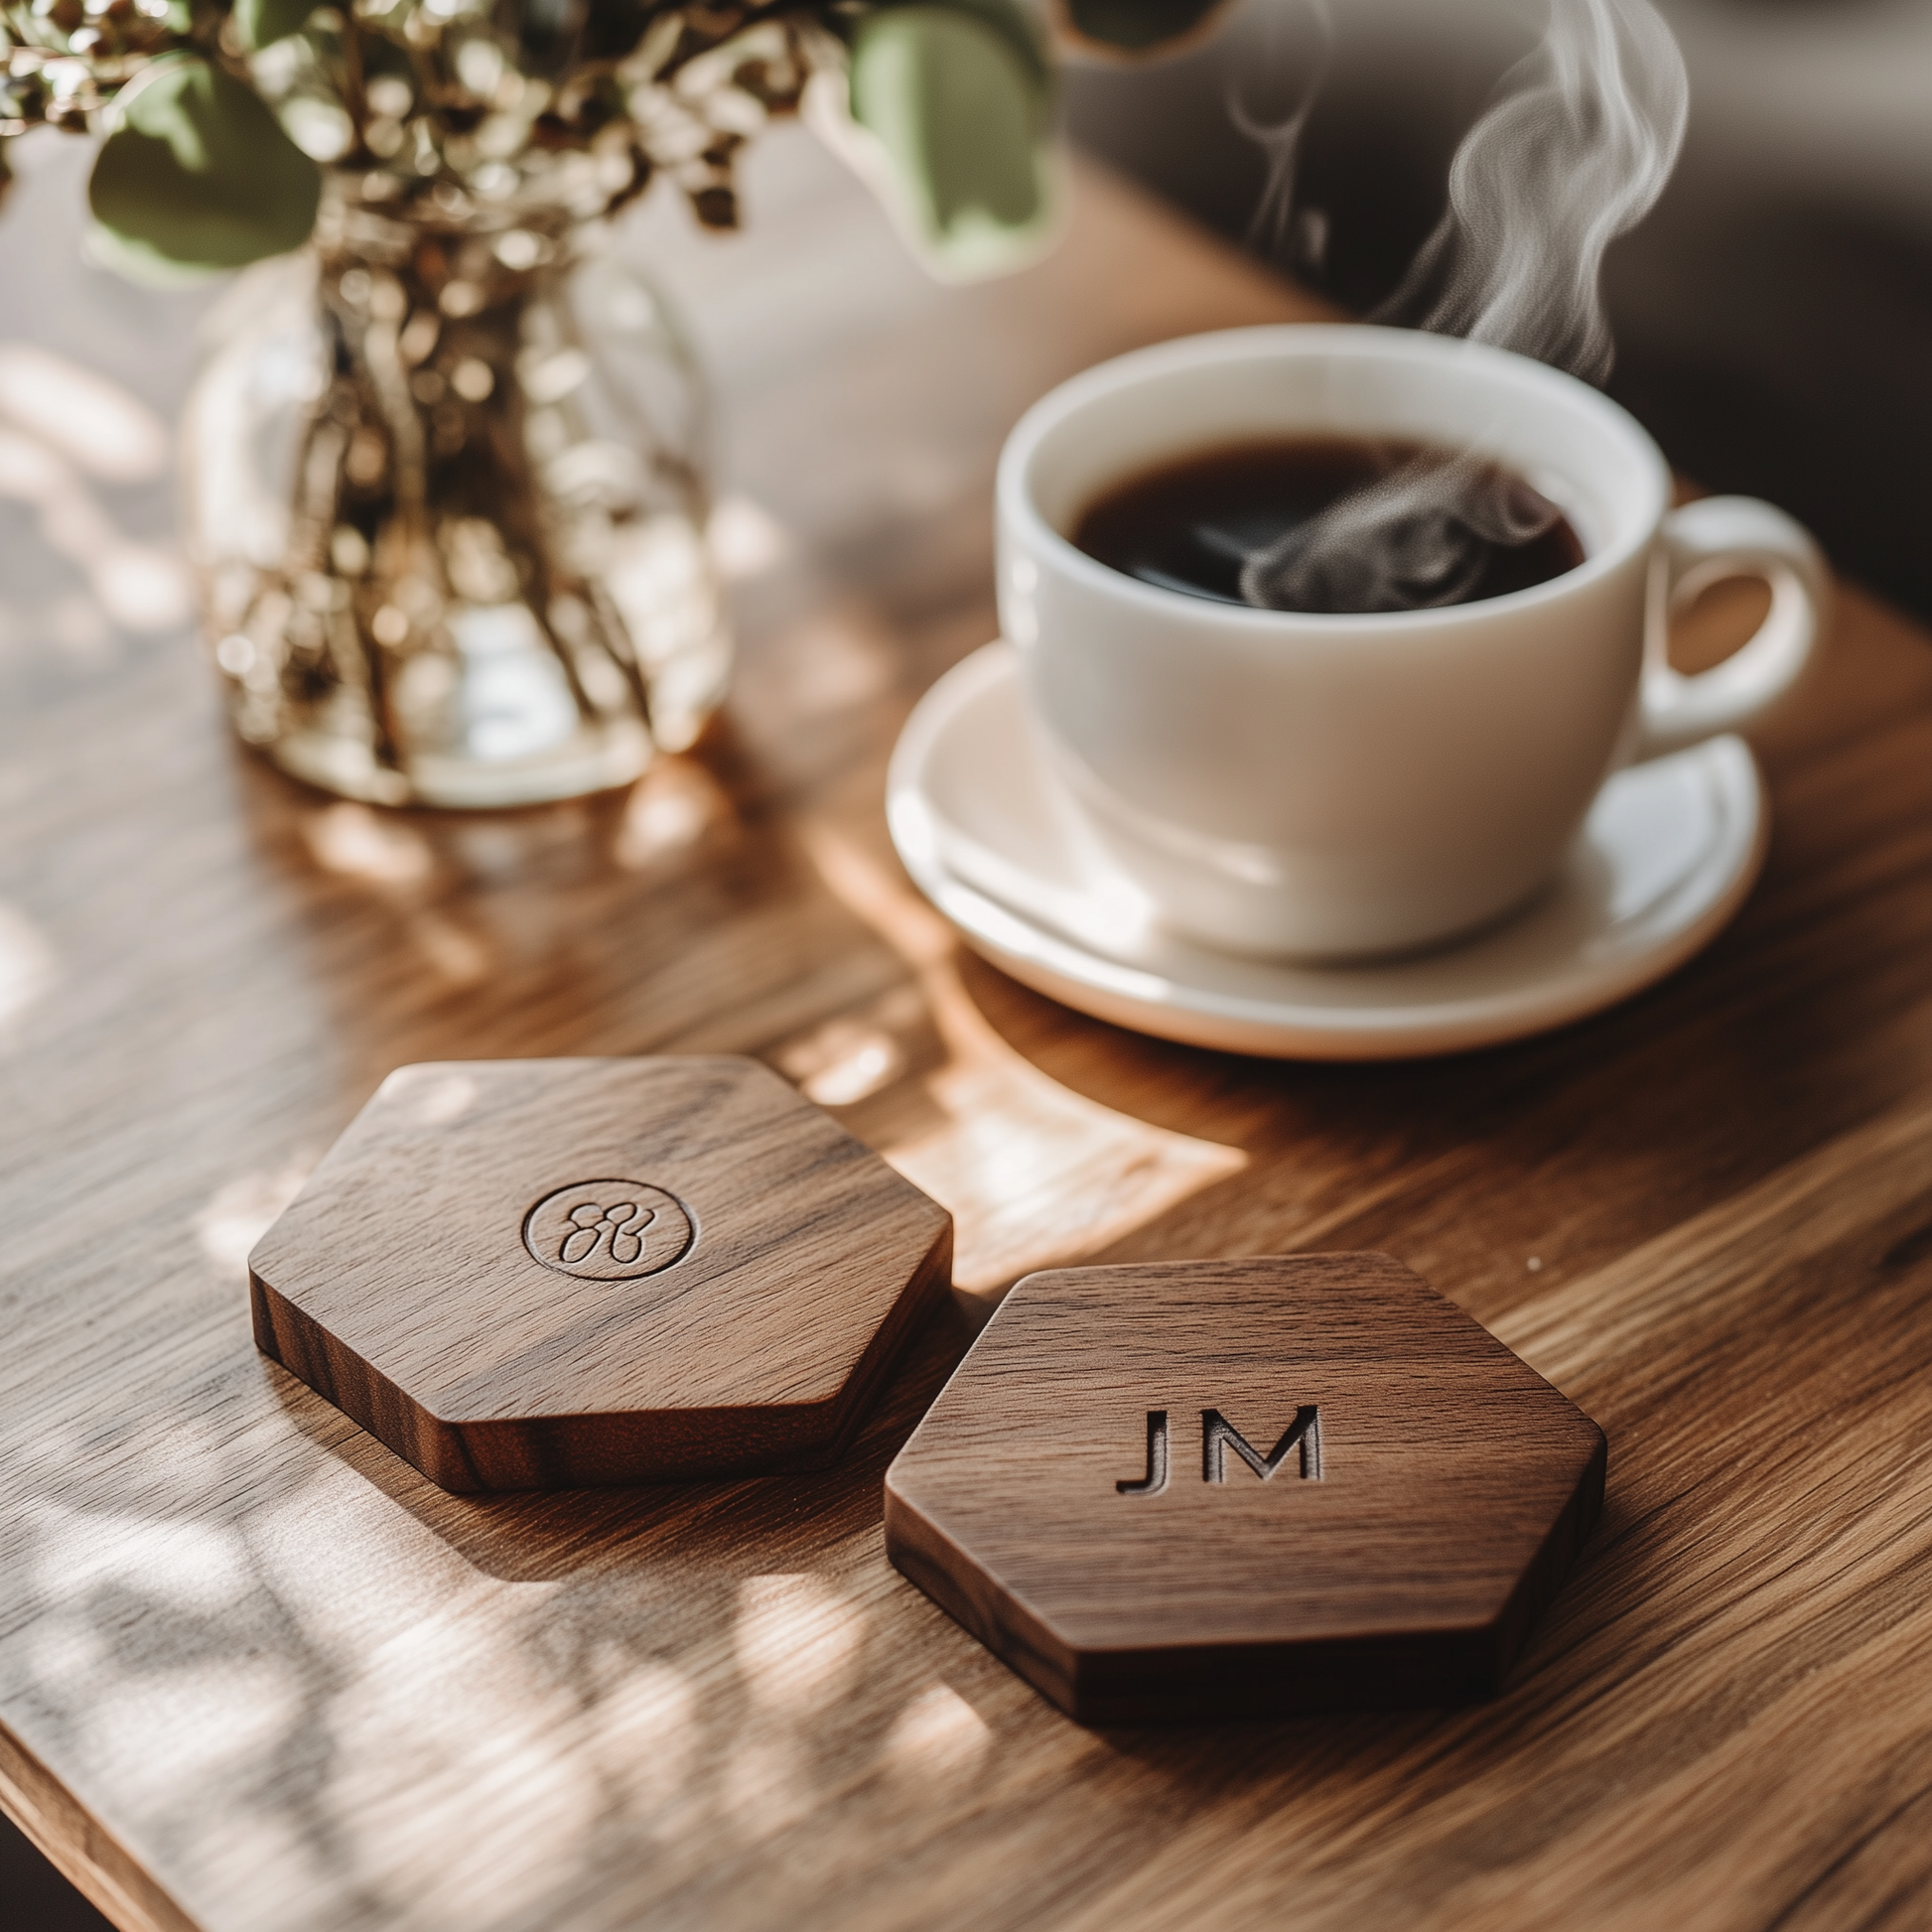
(1668, 854)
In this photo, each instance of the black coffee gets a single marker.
(1331, 525)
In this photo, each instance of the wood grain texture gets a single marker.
(1209, 1489)
(258, 1675)
(538, 1274)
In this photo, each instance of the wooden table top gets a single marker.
(257, 1676)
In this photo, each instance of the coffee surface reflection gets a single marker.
(1330, 525)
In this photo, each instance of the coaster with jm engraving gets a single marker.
(1229, 1488)
(536, 1274)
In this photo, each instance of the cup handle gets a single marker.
(1703, 543)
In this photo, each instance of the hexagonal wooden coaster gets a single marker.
(1228, 1488)
(536, 1274)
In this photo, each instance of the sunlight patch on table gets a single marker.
(201, 1569)
(239, 1213)
(674, 807)
(446, 1748)
(162, 1730)
(1034, 1173)
(88, 419)
(745, 539)
(939, 1739)
(358, 843)
(26, 965)
(59, 425)
(797, 1642)
(766, 1787)
(460, 957)
(643, 1735)
(842, 1062)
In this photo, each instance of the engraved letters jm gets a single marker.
(609, 1230)
(1220, 1436)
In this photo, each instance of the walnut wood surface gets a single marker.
(778, 1270)
(255, 1676)
(1221, 1488)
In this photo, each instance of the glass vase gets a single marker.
(446, 498)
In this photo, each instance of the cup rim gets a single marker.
(1269, 341)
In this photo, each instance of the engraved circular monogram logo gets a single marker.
(609, 1230)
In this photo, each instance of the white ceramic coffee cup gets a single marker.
(1326, 786)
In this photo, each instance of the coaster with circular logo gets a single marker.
(609, 1230)
(1228, 1488)
(535, 1274)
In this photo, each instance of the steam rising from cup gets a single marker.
(1280, 142)
(1574, 153)
(1420, 536)
(1571, 153)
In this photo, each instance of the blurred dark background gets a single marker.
(1773, 315)
(34, 1897)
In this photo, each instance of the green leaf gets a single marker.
(1012, 23)
(262, 21)
(196, 173)
(958, 98)
(1135, 26)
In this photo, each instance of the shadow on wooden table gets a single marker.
(718, 1530)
